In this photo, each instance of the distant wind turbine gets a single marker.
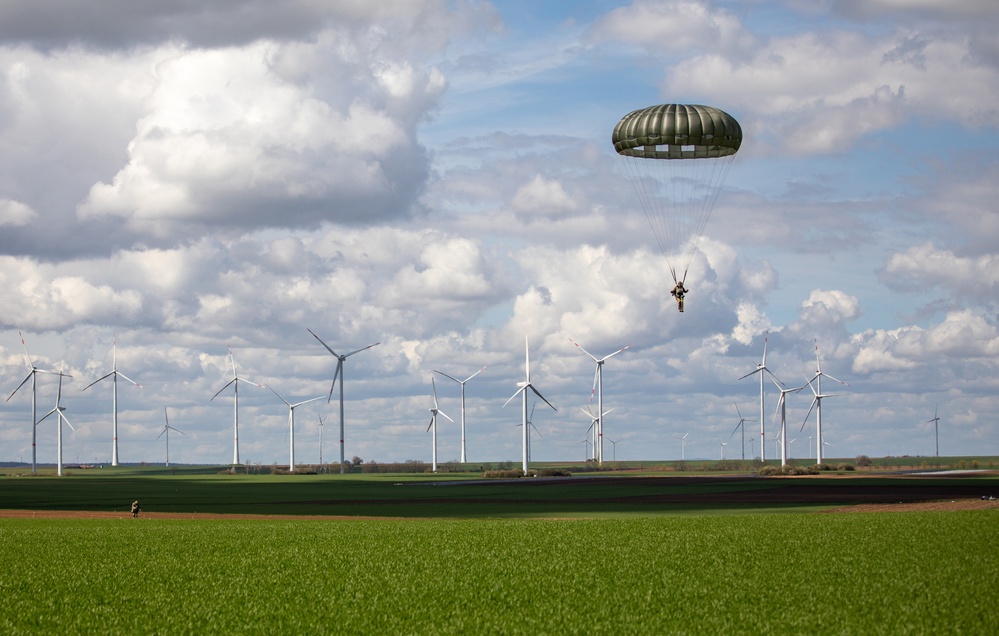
(936, 432)
(722, 451)
(526, 384)
(530, 422)
(782, 407)
(683, 445)
(462, 383)
(33, 372)
(742, 425)
(235, 405)
(817, 402)
(595, 420)
(166, 431)
(614, 446)
(113, 374)
(59, 410)
(761, 368)
(291, 425)
(322, 422)
(598, 387)
(434, 412)
(339, 374)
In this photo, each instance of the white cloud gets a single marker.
(542, 197)
(15, 213)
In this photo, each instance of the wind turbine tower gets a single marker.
(462, 383)
(742, 425)
(339, 374)
(936, 432)
(761, 368)
(598, 387)
(291, 425)
(33, 372)
(526, 384)
(113, 374)
(817, 402)
(59, 410)
(782, 407)
(235, 406)
(166, 431)
(434, 412)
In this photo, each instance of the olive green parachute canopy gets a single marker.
(677, 195)
(677, 131)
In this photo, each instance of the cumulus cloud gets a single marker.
(542, 197)
(923, 266)
(15, 213)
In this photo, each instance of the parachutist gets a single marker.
(678, 292)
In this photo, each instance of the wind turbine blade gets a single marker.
(439, 412)
(336, 374)
(586, 409)
(593, 389)
(54, 410)
(259, 386)
(608, 411)
(433, 418)
(130, 379)
(27, 358)
(737, 409)
(66, 419)
(279, 396)
(297, 404)
(815, 401)
(584, 350)
(232, 359)
(527, 360)
(538, 393)
(26, 378)
(434, 385)
(347, 355)
(736, 428)
(616, 352)
(223, 388)
(106, 375)
(474, 374)
(838, 380)
(162, 432)
(322, 343)
(758, 369)
(450, 376)
(766, 339)
(523, 388)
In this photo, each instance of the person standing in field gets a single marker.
(135, 509)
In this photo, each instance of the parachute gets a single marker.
(678, 156)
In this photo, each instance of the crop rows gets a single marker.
(807, 573)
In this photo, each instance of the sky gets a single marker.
(438, 177)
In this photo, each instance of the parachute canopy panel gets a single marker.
(677, 131)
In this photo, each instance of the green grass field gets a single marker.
(577, 556)
(888, 573)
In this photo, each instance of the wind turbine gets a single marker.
(322, 422)
(761, 368)
(817, 402)
(530, 422)
(291, 425)
(595, 421)
(614, 443)
(598, 387)
(434, 412)
(166, 431)
(683, 445)
(339, 374)
(742, 425)
(782, 407)
(936, 432)
(33, 372)
(235, 406)
(113, 374)
(722, 451)
(526, 384)
(59, 409)
(462, 383)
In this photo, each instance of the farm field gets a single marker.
(875, 573)
(428, 554)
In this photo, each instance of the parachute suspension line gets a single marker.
(712, 175)
(647, 186)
